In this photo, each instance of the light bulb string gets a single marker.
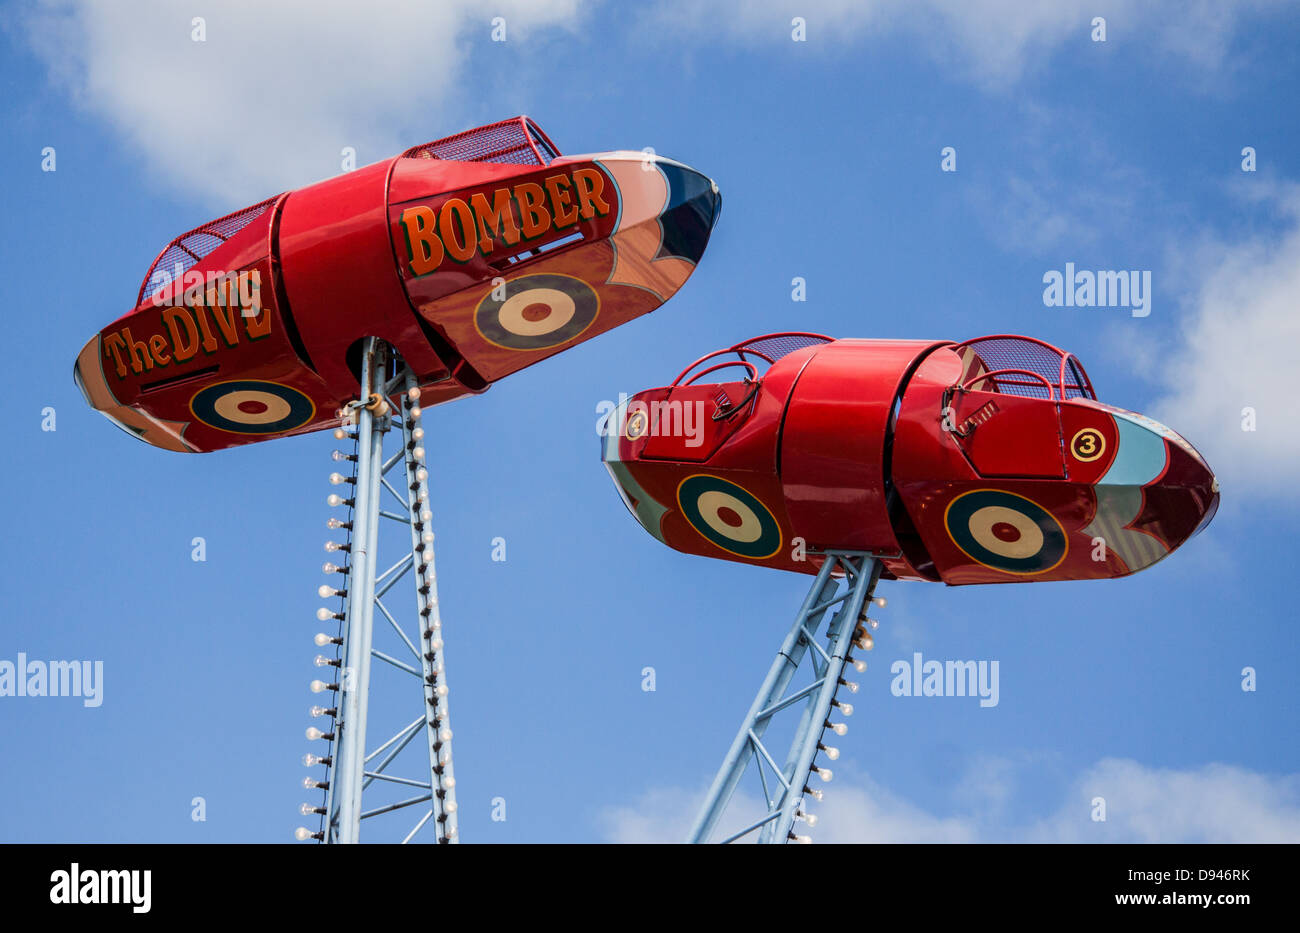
(338, 645)
(430, 616)
(844, 643)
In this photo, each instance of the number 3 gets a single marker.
(1088, 445)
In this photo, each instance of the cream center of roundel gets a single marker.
(512, 317)
(227, 407)
(712, 503)
(1029, 542)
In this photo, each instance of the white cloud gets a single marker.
(277, 89)
(1213, 803)
(994, 41)
(660, 815)
(1237, 349)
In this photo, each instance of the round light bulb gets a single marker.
(325, 591)
(331, 546)
(319, 686)
(417, 433)
(415, 411)
(334, 523)
(441, 690)
(451, 806)
(302, 834)
(445, 735)
(449, 783)
(880, 601)
(426, 515)
(813, 793)
(313, 733)
(322, 639)
(846, 709)
(318, 711)
(305, 809)
(327, 567)
(839, 728)
(339, 434)
(853, 688)
(418, 453)
(825, 774)
(832, 752)
(859, 666)
(337, 479)
(322, 661)
(308, 783)
(334, 500)
(324, 614)
(310, 760)
(436, 644)
(413, 393)
(810, 819)
(338, 456)
(421, 474)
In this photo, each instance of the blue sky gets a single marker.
(1125, 154)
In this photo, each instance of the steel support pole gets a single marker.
(354, 681)
(774, 684)
(860, 573)
(816, 713)
(384, 400)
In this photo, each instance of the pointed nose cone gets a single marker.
(617, 432)
(88, 374)
(694, 204)
(666, 214)
(1158, 492)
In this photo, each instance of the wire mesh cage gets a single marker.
(1008, 364)
(184, 252)
(517, 141)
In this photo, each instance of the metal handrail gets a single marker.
(740, 349)
(752, 369)
(1078, 371)
(1051, 390)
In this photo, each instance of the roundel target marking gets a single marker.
(729, 516)
(252, 406)
(538, 312)
(1004, 531)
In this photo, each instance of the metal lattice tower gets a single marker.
(358, 785)
(842, 589)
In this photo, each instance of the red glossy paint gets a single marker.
(475, 256)
(989, 461)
